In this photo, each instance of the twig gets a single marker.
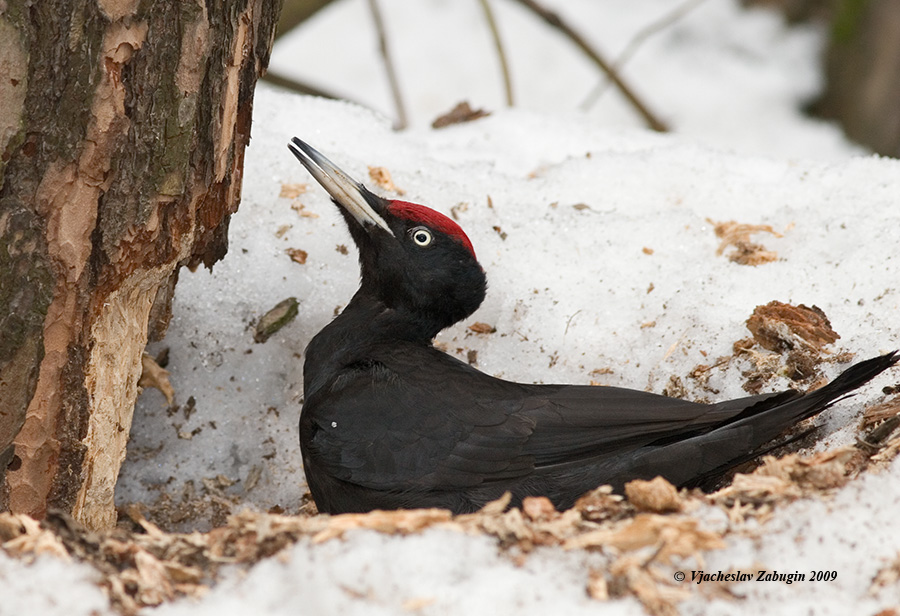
(555, 21)
(294, 13)
(501, 53)
(298, 86)
(635, 43)
(401, 122)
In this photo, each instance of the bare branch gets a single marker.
(401, 122)
(288, 83)
(635, 43)
(295, 12)
(501, 53)
(553, 19)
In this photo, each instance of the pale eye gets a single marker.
(421, 236)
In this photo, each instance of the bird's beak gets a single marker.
(346, 192)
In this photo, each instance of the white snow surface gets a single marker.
(571, 290)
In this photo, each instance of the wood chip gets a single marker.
(283, 313)
(782, 327)
(152, 375)
(597, 588)
(482, 328)
(881, 412)
(297, 255)
(22, 535)
(737, 235)
(538, 508)
(382, 177)
(656, 495)
(463, 112)
(401, 521)
(673, 536)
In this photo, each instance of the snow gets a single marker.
(25, 588)
(730, 77)
(571, 289)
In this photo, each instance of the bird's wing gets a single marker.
(406, 421)
(575, 422)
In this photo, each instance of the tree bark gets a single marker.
(862, 71)
(122, 133)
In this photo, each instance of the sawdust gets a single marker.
(888, 575)
(300, 208)
(292, 191)
(656, 495)
(382, 177)
(143, 565)
(645, 536)
(737, 235)
(783, 480)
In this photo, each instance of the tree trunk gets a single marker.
(122, 133)
(862, 70)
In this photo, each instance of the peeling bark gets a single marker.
(122, 133)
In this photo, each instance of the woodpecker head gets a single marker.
(413, 259)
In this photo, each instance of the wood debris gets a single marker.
(482, 328)
(463, 112)
(297, 255)
(292, 191)
(646, 538)
(152, 375)
(879, 413)
(782, 327)
(785, 479)
(300, 208)
(382, 177)
(888, 575)
(650, 585)
(656, 495)
(20, 535)
(737, 235)
(400, 521)
(283, 313)
(796, 335)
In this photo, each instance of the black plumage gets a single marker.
(388, 421)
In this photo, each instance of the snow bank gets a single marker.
(602, 265)
(560, 211)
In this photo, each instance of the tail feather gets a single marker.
(718, 450)
(849, 380)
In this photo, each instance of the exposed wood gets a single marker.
(118, 171)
